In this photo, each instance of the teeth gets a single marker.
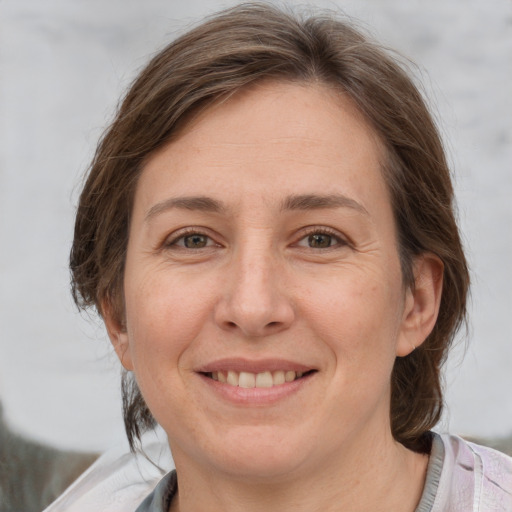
(289, 376)
(256, 380)
(246, 380)
(232, 378)
(278, 378)
(264, 380)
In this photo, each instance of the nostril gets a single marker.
(253, 319)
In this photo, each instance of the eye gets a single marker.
(195, 241)
(192, 241)
(320, 239)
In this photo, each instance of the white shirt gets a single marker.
(461, 477)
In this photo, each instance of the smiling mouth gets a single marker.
(249, 380)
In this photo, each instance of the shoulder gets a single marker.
(473, 477)
(117, 481)
(160, 499)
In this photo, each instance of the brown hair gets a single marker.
(238, 47)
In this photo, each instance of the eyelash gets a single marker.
(339, 241)
(323, 231)
(189, 232)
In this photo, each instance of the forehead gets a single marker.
(283, 138)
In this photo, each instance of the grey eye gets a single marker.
(320, 240)
(195, 241)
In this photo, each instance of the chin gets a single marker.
(262, 466)
(256, 453)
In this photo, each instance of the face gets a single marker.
(263, 292)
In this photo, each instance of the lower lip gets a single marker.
(256, 396)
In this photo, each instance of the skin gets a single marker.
(276, 272)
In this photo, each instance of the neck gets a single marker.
(384, 476)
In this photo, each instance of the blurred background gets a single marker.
(63, 67)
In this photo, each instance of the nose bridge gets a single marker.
(255, 268)
(254, 301)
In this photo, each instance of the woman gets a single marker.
(267, 230)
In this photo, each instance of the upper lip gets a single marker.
(253, 366)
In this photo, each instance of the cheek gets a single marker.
(358, 315)
(163, 318)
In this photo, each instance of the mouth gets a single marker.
(265, 379)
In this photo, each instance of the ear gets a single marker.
(118, 335)
(421, 303)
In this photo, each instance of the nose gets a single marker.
(254, 299)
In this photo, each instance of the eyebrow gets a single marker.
(294, 202)
(317, 202)
(201, 203)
